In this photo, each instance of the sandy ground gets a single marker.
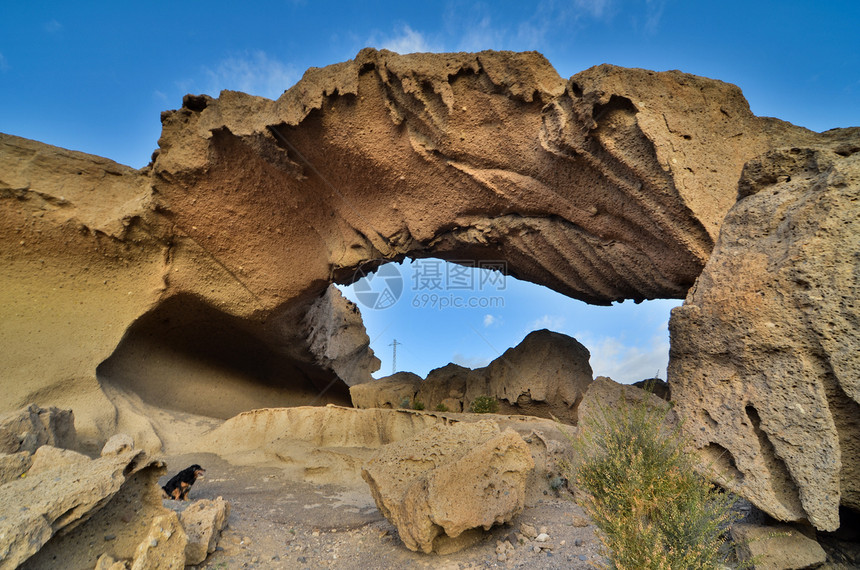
(276, 522)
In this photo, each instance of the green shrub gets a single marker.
(442, 408)
(484, 405)
(653, 509)
(417, 405)
(406, 404)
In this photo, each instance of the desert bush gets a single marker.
(484, 405)
(653, 510)
(406, 404)
(417, 405)
(442, 408)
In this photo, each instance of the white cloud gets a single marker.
(53, 27)
(551, 322)
(626, 363)
(595, 8)
(469, 361)
(489, 320)
(406, 40)
(255, 73)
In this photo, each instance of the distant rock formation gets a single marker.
(765, 353)
(546, 375)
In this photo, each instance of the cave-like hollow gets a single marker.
(187, 356)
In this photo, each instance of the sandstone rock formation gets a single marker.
(606, 394)
(447, 481)
(29, 428)
(611, 185)
(779, 547)
(70, 509)
(545, 375)
(764, 363)
(203, 522)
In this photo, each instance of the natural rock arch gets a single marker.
(612, 185)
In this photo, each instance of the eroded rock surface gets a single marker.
(764, 363)
(546, 375)
(203, 522)
(449, 480)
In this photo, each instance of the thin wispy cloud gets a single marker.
(594, 8)
(493, 320)
(53, 26)
(469, 361)
(255, 73)
(626, 363)
(551, 322)
(406, 40)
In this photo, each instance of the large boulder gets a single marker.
(778, 547)
(450, 480)
(392, 392)
(203, 521)
(765, 352)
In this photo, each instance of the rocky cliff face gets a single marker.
(764, 360)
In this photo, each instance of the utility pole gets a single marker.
(394, 356)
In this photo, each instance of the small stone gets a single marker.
(528, 531)
(502, 557)
(562, 543)
(579, 521)
(302, 559)
(577, 542)
(583, 557)
(536, 549)
(109, 537)
(542, 537)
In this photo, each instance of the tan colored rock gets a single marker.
(605, 394)
(764, 363)
(118, 443)
(203, 521)
(545, 375)
(48, 458)
(449, 480)
(390, 392)
(106, 562)
(778, 547)
(71, 510)
(31, 427)
(163, 548)
(13, 465)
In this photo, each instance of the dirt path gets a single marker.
(284, 524)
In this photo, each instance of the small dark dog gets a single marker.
(179, 485)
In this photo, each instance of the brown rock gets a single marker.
(106, 562)
(29, 428)
(203, 521)
(70, 510)
(606, 394)
(118, 443)
(13, 465)
(449, 480)
(776, 547)
(163, 547)
(545, 375)
(390, 392)
(48, 458)
(764, 360)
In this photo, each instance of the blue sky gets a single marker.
(94, 76)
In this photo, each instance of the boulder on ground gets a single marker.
(48, 458)
(28, 428)
(163, 548)
(779, 547)
(118, 443)
(447, 481)
(607, 394)
(203, 522)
